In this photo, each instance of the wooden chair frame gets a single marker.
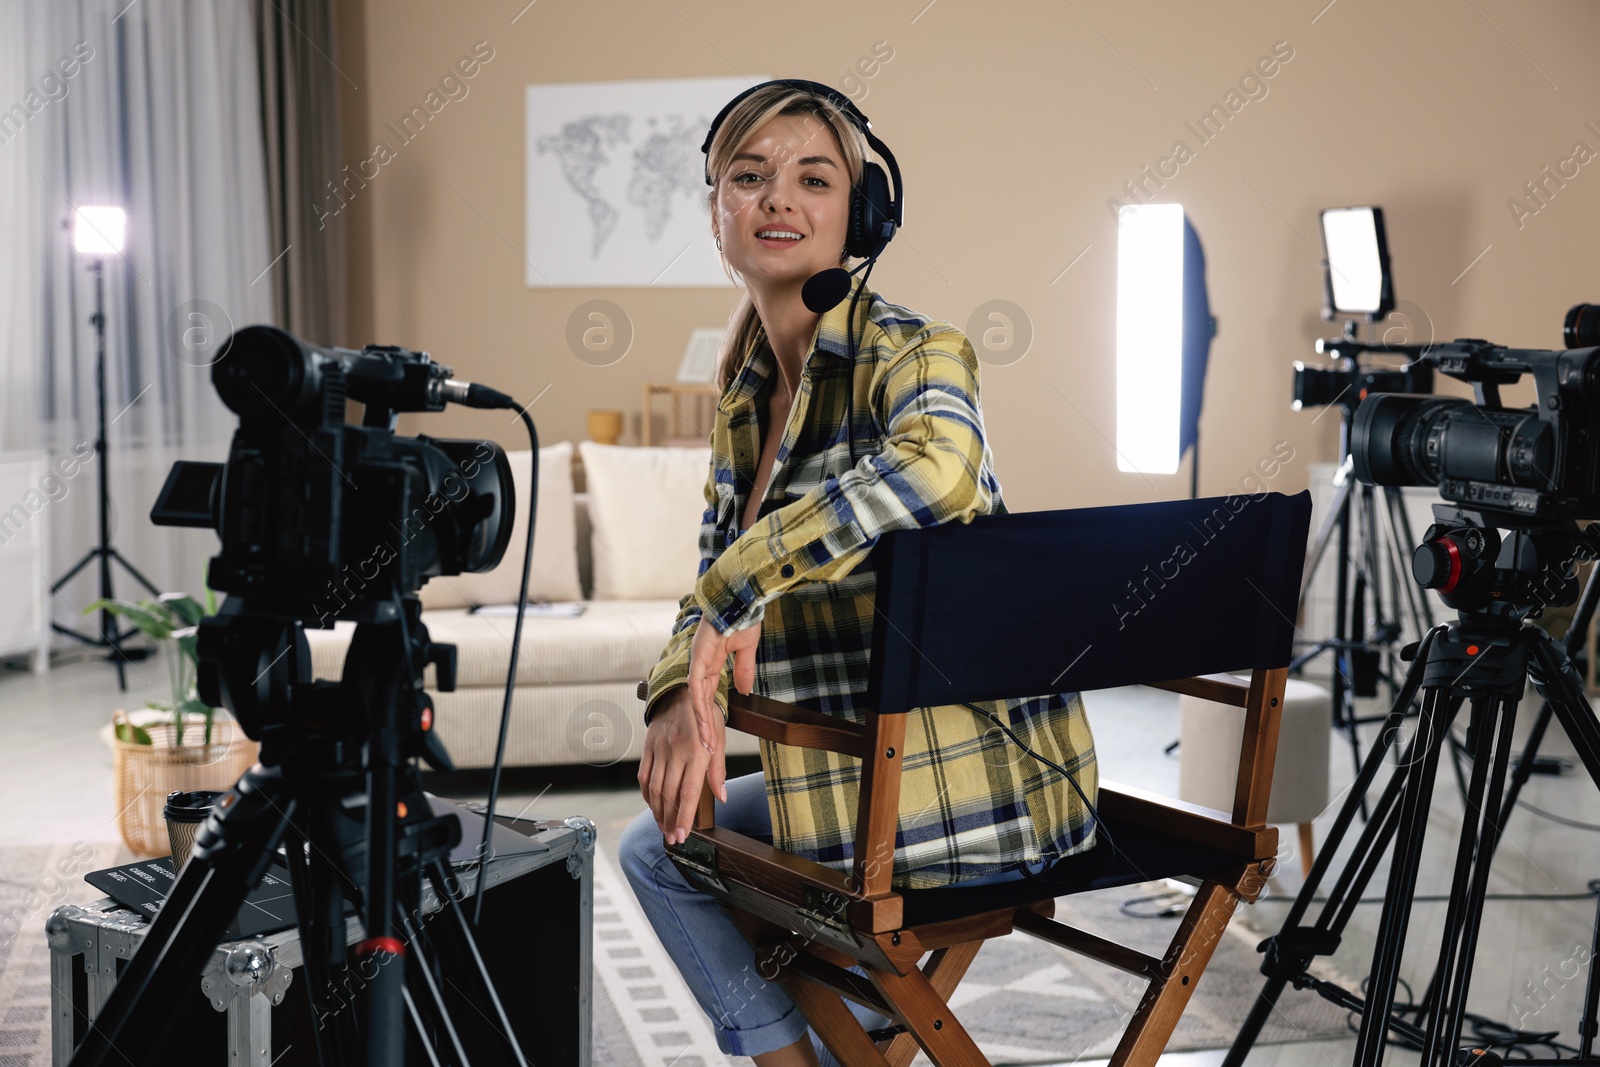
(810, 923)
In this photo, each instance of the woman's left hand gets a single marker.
(707, 655)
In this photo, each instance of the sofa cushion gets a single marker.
(645, 507)
(555, 548)
(614, 640)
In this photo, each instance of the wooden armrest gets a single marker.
(1222, 688)
(1206, 826)
(793, 880)
(788, 724)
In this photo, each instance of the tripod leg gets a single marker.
(1343, 705)
(419, 1027)
(231, 854)
(420, 964)
(1445, 1000)
(319, 906)
(131, 569)
(1564, 691)
(449, 902)
(1432, 725)
(1589, 1022)
(1290, 951)
(1319, 544)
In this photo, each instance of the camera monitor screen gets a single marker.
(1357, 261)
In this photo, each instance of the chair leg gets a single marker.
(945, 969)
(1158, 1013)
(929, 1018)
(1307, 846)
(840, 1030)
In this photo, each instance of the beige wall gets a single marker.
(1014, 124)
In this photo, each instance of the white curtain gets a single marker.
(163, 118)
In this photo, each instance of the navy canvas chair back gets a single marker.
(1021, 605)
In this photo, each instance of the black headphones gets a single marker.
(874, 215)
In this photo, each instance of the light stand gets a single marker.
(1358, 285)
(99, 232)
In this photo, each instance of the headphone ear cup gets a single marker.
(869, 214)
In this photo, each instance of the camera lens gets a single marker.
(1316, 387)
(261, 371)
(1415, 440)
(1582, 326)
(1400, 440)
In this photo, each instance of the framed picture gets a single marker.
(615, 182)
(700, 355)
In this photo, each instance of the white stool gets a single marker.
(1210, 735)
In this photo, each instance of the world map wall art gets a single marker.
(616, 182)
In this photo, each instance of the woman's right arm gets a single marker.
(671, 671)
(675, 761)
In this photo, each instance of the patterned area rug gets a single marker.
(1025, 1002)
(34, 881)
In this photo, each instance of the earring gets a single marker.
(719, 242)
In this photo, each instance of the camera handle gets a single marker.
(1485, 660)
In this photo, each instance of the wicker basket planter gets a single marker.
(143, 775)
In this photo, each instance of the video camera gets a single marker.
(321, 519)
(1356, 282)
(1519, 465)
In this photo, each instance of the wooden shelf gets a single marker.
(691, 409)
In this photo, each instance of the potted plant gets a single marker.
(187, 746)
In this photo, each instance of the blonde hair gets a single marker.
(748, 116)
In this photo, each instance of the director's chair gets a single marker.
(1012, 606)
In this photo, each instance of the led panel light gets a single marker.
(98, 231)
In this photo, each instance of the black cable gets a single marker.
(1561, 819)
(850, 379)
(1171, 911)
(1458, 751)
(1488, 1032)
(1094, 812)
(511, 672)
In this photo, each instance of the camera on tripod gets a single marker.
(1356, 281)
(321, 520)
(1502, 548)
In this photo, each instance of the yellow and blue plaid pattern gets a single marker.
(972, 804)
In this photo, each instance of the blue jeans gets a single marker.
(749, 1014)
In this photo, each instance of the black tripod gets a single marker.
(110, 636)
(1485, 659)
(1354, 516)
(351, 831)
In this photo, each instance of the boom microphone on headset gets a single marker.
(824, 289)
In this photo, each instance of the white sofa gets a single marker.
(627, 548)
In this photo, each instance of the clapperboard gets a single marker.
(144, 886)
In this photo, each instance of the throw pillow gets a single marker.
(645, 507)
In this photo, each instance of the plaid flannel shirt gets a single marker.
(971, 803)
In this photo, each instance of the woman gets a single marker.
(832, 429)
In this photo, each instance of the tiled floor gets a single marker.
(56, 776)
